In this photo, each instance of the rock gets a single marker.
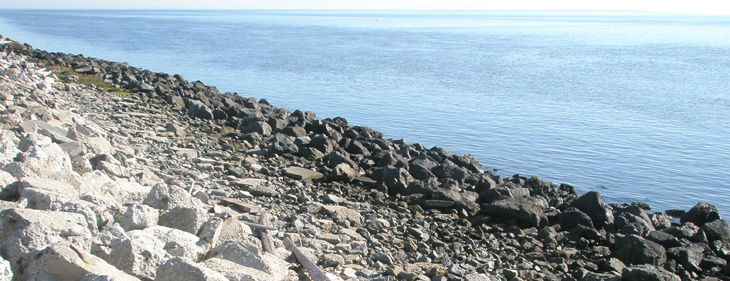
(162, 196)
(102, 243)
(300, 173)
(634, 249)
(342, 214)
(234, 271)
(265, 190)
(629, 223)
(648, 273)
(282, 144)
(177, 269)
(188, 219)
(572, 217)
(690, 258)
(438, 204)
(294, 131)
(523, 210)
(6, 274)
(241, 253)
(126, 192)
(139, 217)
(343, 172)
(218, 230)
(54, 186)
(700, 214)
(49, 201)
(664, 239)
(447, 169)
(717, 230)
(261, 128)
(200, 110)
(113, 169)
(591, 204)
(25, 232)
(66, 262)
(396, 179)
(332, 260)
(143, 251)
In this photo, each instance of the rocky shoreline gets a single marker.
(169, 180)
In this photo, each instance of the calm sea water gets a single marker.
(634, 105)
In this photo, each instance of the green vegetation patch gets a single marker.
(67, 75)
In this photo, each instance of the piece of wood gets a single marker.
(243, 206)
(314, 272)
(267, 241)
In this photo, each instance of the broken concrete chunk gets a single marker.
(139, 217)
(177, 269)
(188, 219)
(64, 261)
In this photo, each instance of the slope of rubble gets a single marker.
(172, 181)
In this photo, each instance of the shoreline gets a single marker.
(410, 182)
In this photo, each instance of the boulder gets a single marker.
(102, 243)
(647, 273)
(572, 217)
(200, 110)
(300, 173)
(45, 200)
(25, 232)
(343, 214)
(66, 262)
(177, 269)
(689, 257)
(139, 217)
(220, 229)
(188, 219)
(162, 196)
(592, 204)
(126, 192)
(241, 253)
(396, 179)
(634, 249)
(294, 131)
(717, 230)
(6, 273)
(282, 144)
(54, 186)
(526, 212)
(259, 127)
(143, 251)
(234, 271)
(700, 214)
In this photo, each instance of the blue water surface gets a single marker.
(634, 105)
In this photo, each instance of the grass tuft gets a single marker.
(67, 75)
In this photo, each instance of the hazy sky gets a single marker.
(684, 6)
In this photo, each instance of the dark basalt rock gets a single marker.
(634, 249)
(648, 273)
(526, 212)
(591, 204)
(701, 214)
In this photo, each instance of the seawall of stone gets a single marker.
(164, 184)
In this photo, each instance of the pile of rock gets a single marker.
(140, 184)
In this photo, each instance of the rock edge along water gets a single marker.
(147, 173)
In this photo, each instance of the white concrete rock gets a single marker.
(236, 272)
(6, 274)
(102, 244)
(64, 261)
(126, 192)
(144, 250)
(55, 186)
(188, 219)
(177, 269)
(139, 217)
(166, 197)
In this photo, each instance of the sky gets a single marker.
(684, 6)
